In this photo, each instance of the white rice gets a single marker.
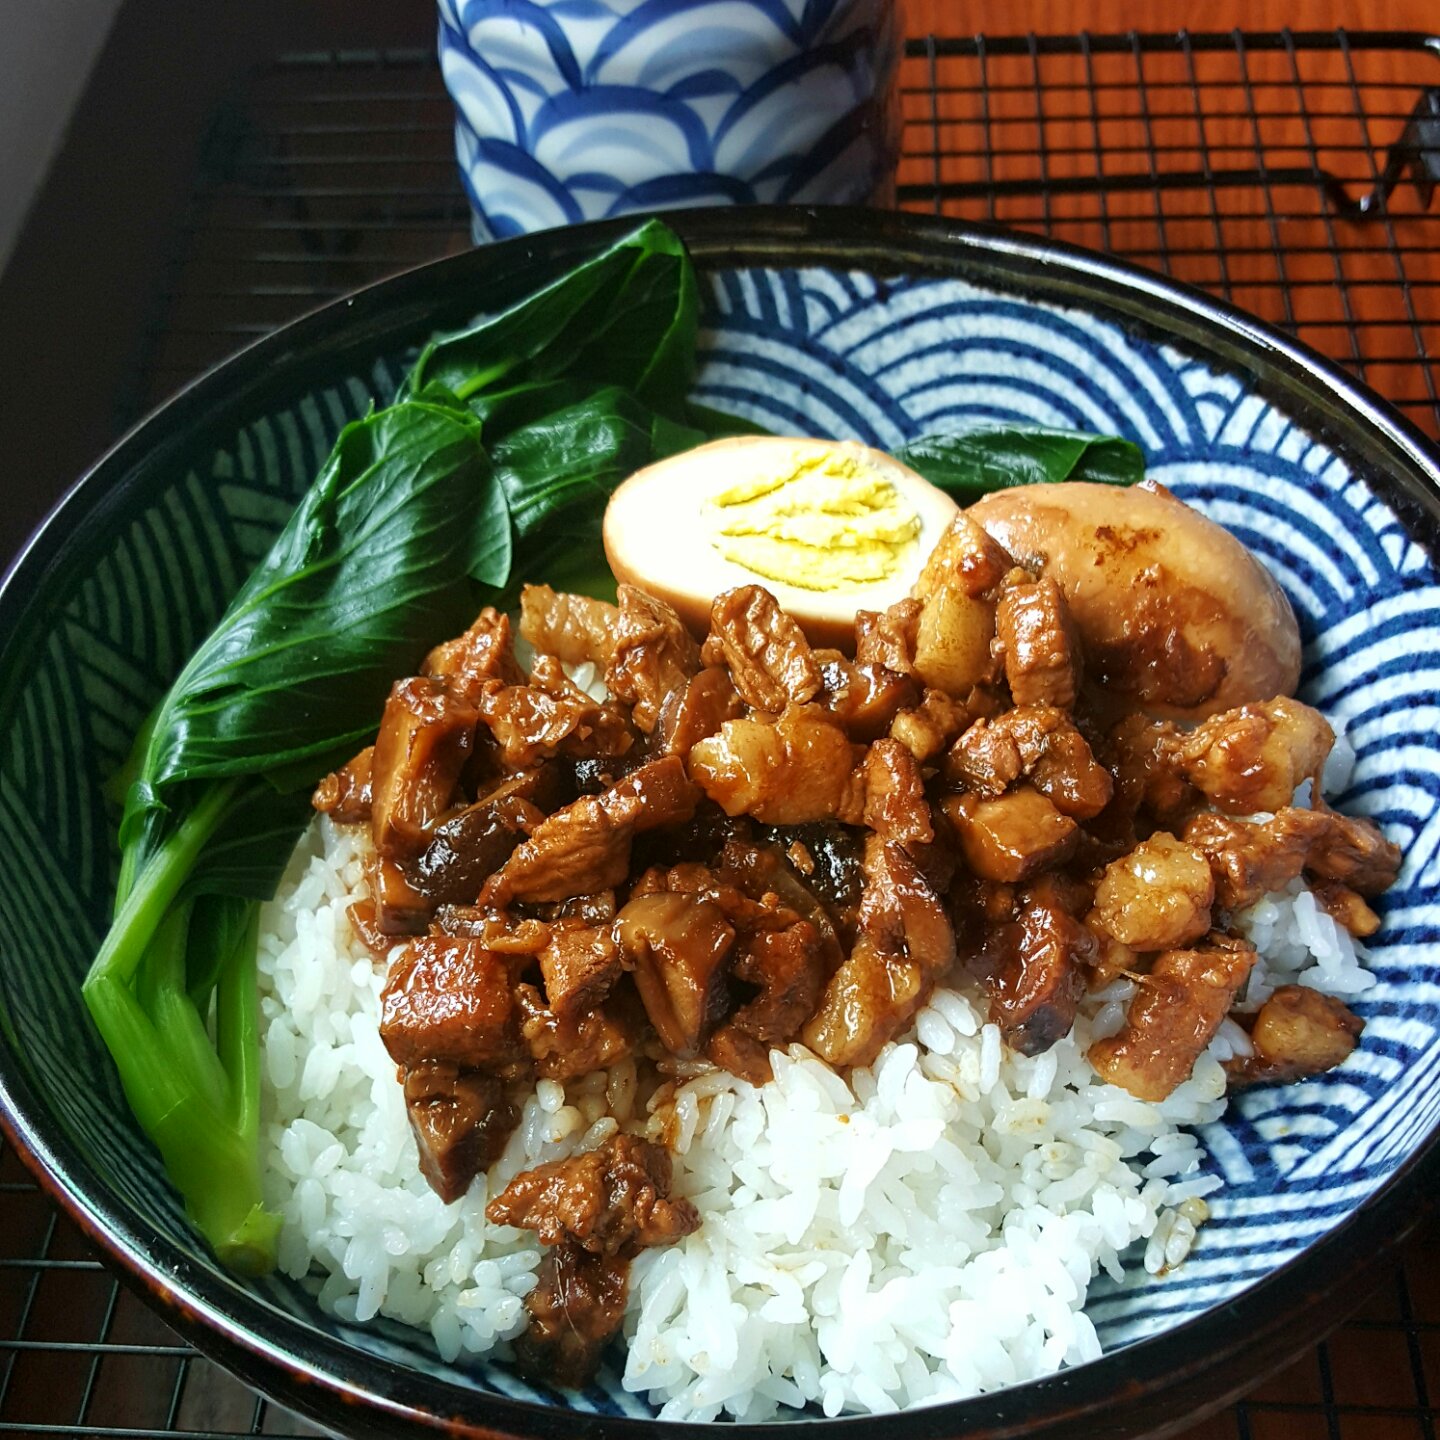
(926, 1232)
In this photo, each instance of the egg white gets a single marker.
(656, 536)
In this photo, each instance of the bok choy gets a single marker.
(521, 423)
(972, 463)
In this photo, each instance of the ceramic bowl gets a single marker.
(876, 327)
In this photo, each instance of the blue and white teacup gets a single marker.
(570, 110)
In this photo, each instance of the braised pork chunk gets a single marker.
(595, 1210)
(1038, 642)
(1174, 1016)
(746, 843)
(1297, 1032)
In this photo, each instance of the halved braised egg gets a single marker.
(828, 527)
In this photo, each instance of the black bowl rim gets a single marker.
(1177, 1375)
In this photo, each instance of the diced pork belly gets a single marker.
(1247, 860)
(495, 929)
(551, 714)
(697, 710)
(679, 948)
(787, 968)
(1038, 641)
(867, 1001)
(900, 910)
(1038, 986)
(585, 847)
(937, 722)
(1158, 896)
(345, 794)
(657, 794)
(766, 652)
(1252, 758)
(1298, 1032)
(864, 698)
(953, 641)
(612, 1200)
(965, 558)
(577, 850)
(573, 628)
(773, 895)
(589, 1040)
(887, 637)
(426, 736)
(1173, 1017)
(956, 625)
(1146, 768)
(482, 654)
(654, 654)
(1343, 847)
(596, 1210)
(704, 883)
(579, 966)
(906, 943)
(1038, 743)
(1011, 838)
(895, 804)
(576, 1309)
(1250, 859)
(730, 1048)
(1110, 959)
(789, 771)
(461, 1120)
(1346, 908)
(449, 999)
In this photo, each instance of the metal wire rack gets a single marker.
(1292, 173)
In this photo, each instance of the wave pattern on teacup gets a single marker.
(582, 111)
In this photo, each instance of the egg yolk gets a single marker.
(826, 521)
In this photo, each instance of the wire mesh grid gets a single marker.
(1291, 173)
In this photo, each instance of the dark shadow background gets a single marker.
(84, 288)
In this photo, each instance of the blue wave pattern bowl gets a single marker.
(806, 330)
(570, 110)
(884, 361)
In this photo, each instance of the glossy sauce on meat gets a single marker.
(595, 1210)
(750, 843)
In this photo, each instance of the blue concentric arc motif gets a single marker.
(831, 353)
(567, 112)
(887, 364)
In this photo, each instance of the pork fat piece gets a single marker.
(1298, 1032)
(1175, 1013)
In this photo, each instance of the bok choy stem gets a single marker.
(157, 884)
(210, 1152)
(197, 1099)
(409, 527)
(374, 562)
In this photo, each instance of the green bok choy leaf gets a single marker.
(972, 463)
(407, 530)
(374, 563)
